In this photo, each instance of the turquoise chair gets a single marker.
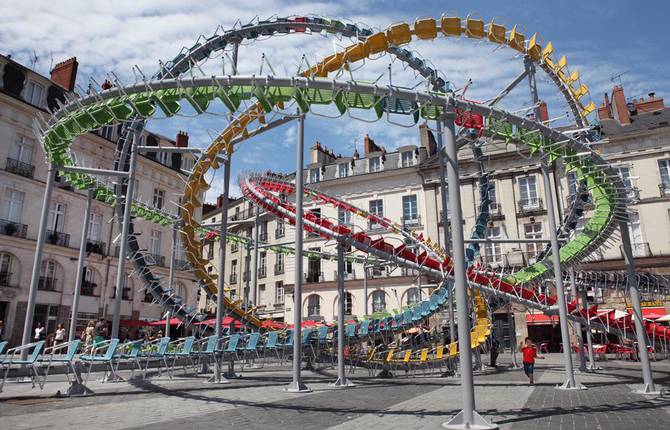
(13, 359)
(129, 353)
(155, 351)
(206, 348)
(55, 356)
(103, 352)
(183, 348)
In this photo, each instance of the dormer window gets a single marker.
(314, 175)
(407, 158)
(374, 164)
(34, 93)
(343, 170)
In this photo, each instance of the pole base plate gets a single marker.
(478, 423)
(297, 387)
(568, 386)
(77, 389)
(648, 391)
(342, 384)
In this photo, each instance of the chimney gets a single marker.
(544, 112)
(652, 104)
(65, 73)
(106, 85)
(619, 106)
(605, 109)
(370, 146)
(182, 139)
(427, 140)
(219, 201)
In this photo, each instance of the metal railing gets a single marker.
(279, 233)
(411, 222)
(157, 259)
(11, 228)
(279, 269)
(88, 288)
(19, 168)
(664, 188)
(182, 265)
(313, 276)
(263, 236)
(262, 272)
(47, 283)
(5, 279)
(242, 215)
(528, 206)
(95, 246)
(347, 275)
(232, 278)
(58, 238)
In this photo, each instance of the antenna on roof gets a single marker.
(615, 78)
(33, 60)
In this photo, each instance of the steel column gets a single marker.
(296, 385)
(247, 272)
(37, 260)
(173, 257)
(467, 418)
(80, 267)
(649, 387)
(342, 381)
(254, 291)
(365, 289)
(125, 225)
(512, 334)
(578, 326)
(589, 336)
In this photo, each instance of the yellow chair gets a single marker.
(547, 54)
(399, 34)
(474, 28)
(425, 28)
(333, 62)
(588, 109)
(356, 52)
(453, 349)
(534, 49)
(451, 25)
(377, 43)
(516, 40)
(579, 92)
(496, 33)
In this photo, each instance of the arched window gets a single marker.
(378, 301)
(348, 304)
(9, 269)
(90, 285)
(51, 276)
(412, 296)
(313, 305)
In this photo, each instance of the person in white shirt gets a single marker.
(59, 337)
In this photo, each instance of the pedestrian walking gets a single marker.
(529, 351)
(59, 337)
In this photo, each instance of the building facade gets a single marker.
(24, 94)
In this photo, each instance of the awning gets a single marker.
(173, 321)
(541, 319)
(134, 323)
(225, 322)
(664, 318)
(651, 313)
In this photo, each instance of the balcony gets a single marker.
(156, 259)
(347, 276)
(412, 222)
(47, 283)
(95, 247)
(242, 215)
(58, 238)
(528, 207)
(20, 168)
(262, 272)
(88, 288)
(279, 269)
(373, 226)
(11, 228)
(232, 278)
(182, 265)
(279, 233)
(263, 236)
(5, 279)
(664, 188)
(312, 276)
(495, 211)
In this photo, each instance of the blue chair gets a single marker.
(270, 345)
(55, 357)
(206, 348)
(102, 352)
(249, 351)
(321, 338)
(306, 340)
(183, 351)
(129, 352)
(14, 359)
(229, 351)
(155, 351)
(3, 345)
(286, 347)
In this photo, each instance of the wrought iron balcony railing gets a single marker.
(58, 238)
(20, 168)
(11, 228)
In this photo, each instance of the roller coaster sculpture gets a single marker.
(266, 96)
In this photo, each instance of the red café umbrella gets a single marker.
(273, 325)
(134, 323)
(225, 322)
(173, 321)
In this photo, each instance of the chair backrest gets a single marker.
(232, 343)
(37, 350)
(363, 328)
(252, 342)
(136, 347)
(212, 342)
(322, 333)
(350, 330)
(111, 349)
(289, 338)
(307, 335)
(71, 350)
(271, 340)
(3, 345)
(163, 345)
(187, 345)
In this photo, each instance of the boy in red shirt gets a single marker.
(529, 355)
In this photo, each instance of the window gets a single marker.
(377, 208)
(374, 164)
(261, 294)
(95, 227)
(159, 197)
(57, 217)
(263, 233)
(34, 93)
(410, 211)
(343, 169)
(412, 296)
(280, 230)
(279, 292)
(262, 265)
(494, 206)
(233, 272)
(48, 276)
(348, 303)
(164, 158)
(493, 250)
(313, 306)
(155, 242)
(533, 231)
(23, 149)
(279, 263)
(314, 175)
(624, 174)
(528, 191)
(378, 301)
(107, 132)
(407, 158)
(6, 269)
(343, 216)
(664, 166)
(13, 206)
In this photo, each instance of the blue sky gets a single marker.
(601, 39)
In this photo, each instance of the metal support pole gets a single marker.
(467, 418)
(173, 258)
(37, 261)
(589, 335)
(254, 291)
(512, 335)
(296, 385)
(247, 272)
(80, 268)
(365, 289)
(342, 381)
(125, 225)
(578, 326)
(555, 254)
(649, 387)
(220, 282)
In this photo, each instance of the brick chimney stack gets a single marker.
(619, 106)
(106, 85)
(182, 139)
(219, 201)
(369, 145)
(605, 109)
(544, 112)
(65, 73)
